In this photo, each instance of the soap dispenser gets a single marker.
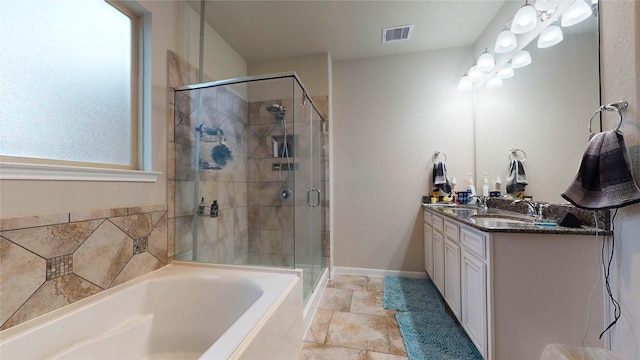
(471, 190)
(485, 186)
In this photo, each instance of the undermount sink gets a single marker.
(500, 219)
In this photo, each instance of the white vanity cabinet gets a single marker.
(473, 280)
(516, 292)
(452, 267)
(428, 244)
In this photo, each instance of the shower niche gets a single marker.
(245, 142)
(281, 148)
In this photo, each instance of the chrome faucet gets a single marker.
(532, 208)
(482, 202)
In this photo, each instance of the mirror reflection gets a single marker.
(544, 109)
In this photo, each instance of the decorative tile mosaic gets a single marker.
(140, 245)
(59, 266)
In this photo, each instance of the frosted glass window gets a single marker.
(65, 81)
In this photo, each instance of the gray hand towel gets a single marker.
(604, 180)
(440, 179)
(516, 178)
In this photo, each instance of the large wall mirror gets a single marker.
(544, 110)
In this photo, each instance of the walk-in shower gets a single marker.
(255, 146)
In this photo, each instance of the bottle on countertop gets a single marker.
(471, 190)
(214, 209)
(201, 207)
(485, 186)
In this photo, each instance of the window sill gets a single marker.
(45, 172)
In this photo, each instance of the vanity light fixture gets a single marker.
(546, 5)
(486, 62)
(475, 74)
(576, 13)
(465, 83)
(550, 36)
(494, 82)
(521, 59)
(506, 42)
(505, 72)
(525, 20)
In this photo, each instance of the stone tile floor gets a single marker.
(351, 324)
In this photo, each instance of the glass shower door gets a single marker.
(309, 196)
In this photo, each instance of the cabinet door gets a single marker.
(438, 261)
(428, 249)
(474, 300)
(452, 276)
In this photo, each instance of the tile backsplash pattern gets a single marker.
(51, 261)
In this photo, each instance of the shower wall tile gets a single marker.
(287, 242)
(226, 196)
(224, 249)
(209, 190)
(269, 194)
(171, 238)
(225, 223)
(240, 198)
(184, 168)
(171, 123)
(270, 241)
(254, 241)
(253, 171)
(183, 231)
(184, 192)
(171, 193)
(98, 248)
(240, 220)
(270, 218)
(207, 230)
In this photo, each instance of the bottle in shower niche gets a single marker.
(214, 209)
(201, 207)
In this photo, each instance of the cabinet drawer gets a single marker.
(474, 242)
(451, 231)
(427, 217)
(437, 223)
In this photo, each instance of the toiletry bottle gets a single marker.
(275, 148)
(485, 186)
(471, 190)
(201, 207)
(214, 209)
(498, 183)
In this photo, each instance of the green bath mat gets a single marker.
(405, 294)
(428, 331)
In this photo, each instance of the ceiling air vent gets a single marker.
(398, 33)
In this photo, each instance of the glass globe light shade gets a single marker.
(486, 62)
(525, 20)
(576, 13)
(521, 59)
(475, 74)
(465, 83)
(494, 82)
(550, 36)
(506, 42)
(505, 72)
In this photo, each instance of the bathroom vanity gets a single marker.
(514, 286)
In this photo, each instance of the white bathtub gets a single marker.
(182, 311)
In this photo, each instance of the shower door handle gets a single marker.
(309, 203)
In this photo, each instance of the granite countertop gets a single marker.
(492, 222)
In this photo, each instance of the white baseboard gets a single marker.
(377, 272)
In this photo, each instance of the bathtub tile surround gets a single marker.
(54, 260)
(351, 323)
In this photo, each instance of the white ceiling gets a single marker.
(267, 30)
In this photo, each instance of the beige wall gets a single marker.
(620, 60)
(390, 115)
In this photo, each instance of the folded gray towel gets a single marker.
(604, 180)
(516, 178)
(440, 179)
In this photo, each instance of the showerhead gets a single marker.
(277, 110)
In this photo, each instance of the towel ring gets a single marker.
(438, 153)
(514, 151)
(618, 107)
